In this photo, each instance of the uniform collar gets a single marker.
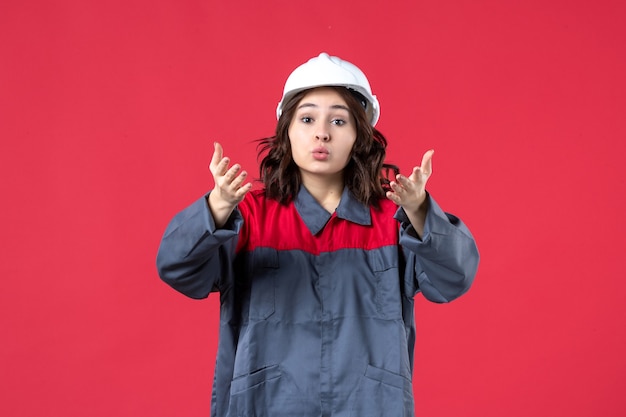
(315, 216)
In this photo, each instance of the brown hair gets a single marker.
(365, 175)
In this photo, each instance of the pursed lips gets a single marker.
(320, 149)
(320, 153)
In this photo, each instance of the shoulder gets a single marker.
(256, 201)
(255, 197)
(385, 207)
(384, 213)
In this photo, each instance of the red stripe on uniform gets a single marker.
(268, 223)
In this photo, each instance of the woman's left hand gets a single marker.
(410, 192)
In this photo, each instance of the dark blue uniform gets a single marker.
(316, 308)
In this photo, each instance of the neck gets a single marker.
(327, 192)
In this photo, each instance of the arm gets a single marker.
(442, 263)
(442, 257)
(194, 255)
(199, 244)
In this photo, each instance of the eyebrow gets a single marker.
(334, 106)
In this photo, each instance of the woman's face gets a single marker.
(322, 133)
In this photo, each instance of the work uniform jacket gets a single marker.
(316, 312)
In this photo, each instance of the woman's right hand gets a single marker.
(229, 188)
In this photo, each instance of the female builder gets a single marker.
(317, 271)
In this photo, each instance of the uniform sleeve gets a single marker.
(194, 257)
(442, 264)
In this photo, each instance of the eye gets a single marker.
(338, 122)
(306, 119)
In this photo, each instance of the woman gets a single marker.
(317, 271)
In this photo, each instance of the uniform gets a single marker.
(316, 308)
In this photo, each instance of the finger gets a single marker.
(243, 191)
(236, 184)
(230, 175)
(221, 168)
(393, 197)
(415, 174)
(427, 163)
(406, 183)
(396, 187)
(218, 153)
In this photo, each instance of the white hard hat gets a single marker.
(325, 70)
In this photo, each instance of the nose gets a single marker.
(322, 135)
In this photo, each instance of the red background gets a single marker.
(108, 111)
